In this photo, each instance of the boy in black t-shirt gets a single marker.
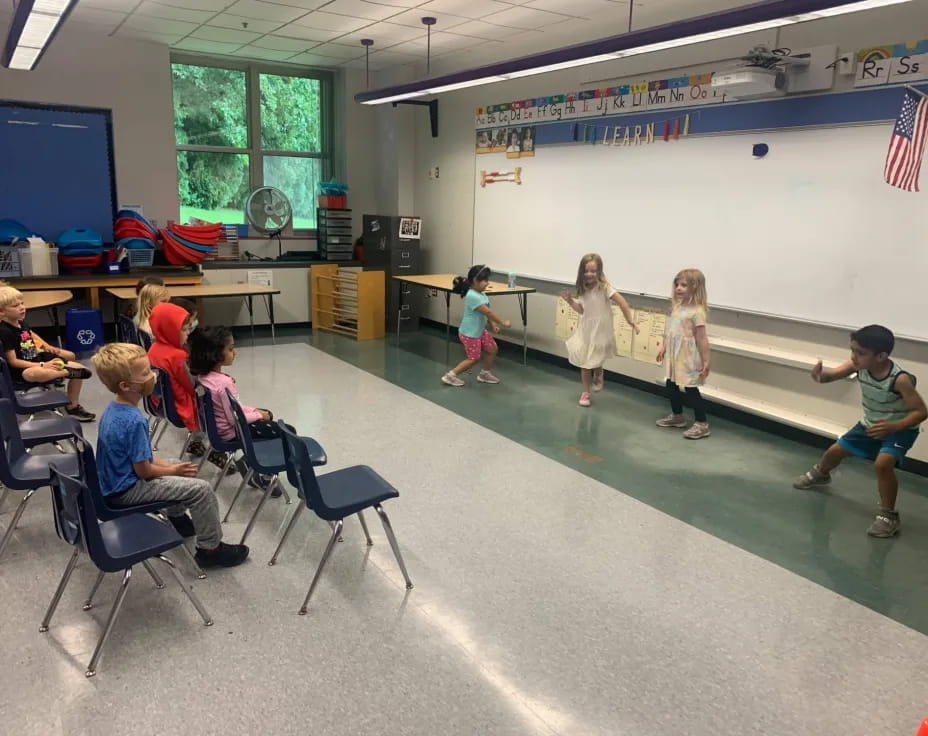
(31, 359)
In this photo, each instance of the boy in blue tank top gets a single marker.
(893, 409)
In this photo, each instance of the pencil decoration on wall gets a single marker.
(494, 177)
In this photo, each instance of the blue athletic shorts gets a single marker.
(856, 442)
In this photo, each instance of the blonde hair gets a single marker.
(8, 295)
(149, 296)
(113, 363)
(581, 270)
(696, 281)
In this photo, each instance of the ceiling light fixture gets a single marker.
(759, 16)
(34, 25)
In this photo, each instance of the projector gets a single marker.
(748, 83)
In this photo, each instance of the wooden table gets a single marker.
(48, 300)
(94, 282)
(444, 282)
(247, 292)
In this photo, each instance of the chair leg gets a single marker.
(254, 516)
(183, 450)
(3, 497)
(15, 520)
(198, 571)
(225, 469)
(187, 589)
(162, 429)
(388, 529)
(154, 424)
(332, 526)
(325, 558)
(204, 458)
(69, 568)
(286, 495)
(290, 525)
(159, 583)
(241, 487)
(108, 629)
(367, 534)
(88, 604)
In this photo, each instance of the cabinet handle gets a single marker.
(405, 254)
(407, 267)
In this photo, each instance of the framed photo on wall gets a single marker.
(411, 228)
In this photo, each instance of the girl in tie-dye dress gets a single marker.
(685, 352)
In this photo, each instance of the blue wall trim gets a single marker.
(841, 108)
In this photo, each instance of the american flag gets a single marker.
(904, 158)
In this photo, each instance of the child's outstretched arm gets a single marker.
(913, 400)
(574, 304)
(827, 375)
(620, 302)
(494, 319)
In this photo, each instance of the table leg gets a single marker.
(57, 321)
(93, 297)
(523, 307)
(249, 302)
(399, 312)
(269, 305)
(447, 316)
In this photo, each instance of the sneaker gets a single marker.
(697, 431)
(885, 525)
(80, 413)
(677, 421)
(451, 379)
(598, 379)
(219, 460)
(585, 399)
(80, 374)
(225, 555)
(183, 525)
(196, 448)
(487, 377)
(815, 478)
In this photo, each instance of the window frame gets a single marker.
(253, 71)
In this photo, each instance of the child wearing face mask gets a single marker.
(130, 474)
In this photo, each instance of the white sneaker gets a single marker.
(487, 377)
(585, 399)
(677, 421)
(697, 431)
(451, 379)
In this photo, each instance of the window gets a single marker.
(239, 128)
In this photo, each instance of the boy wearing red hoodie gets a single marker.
(171, 325)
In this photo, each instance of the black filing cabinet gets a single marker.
(385, 250)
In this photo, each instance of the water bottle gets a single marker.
(512, 280)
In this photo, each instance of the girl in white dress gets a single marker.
(593, 342)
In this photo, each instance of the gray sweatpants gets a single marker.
(194, 494)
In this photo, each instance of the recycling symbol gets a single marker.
(86, 337)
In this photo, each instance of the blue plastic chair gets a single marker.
(105, 511)
(128, 332)
(145, 340)
(28, 398)
(207, 415)
(335, 496)
(20, 471)
(265, 457)
(166, 410)
(116, 545)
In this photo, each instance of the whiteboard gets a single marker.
(810, 232)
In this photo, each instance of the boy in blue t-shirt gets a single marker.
(129, 472)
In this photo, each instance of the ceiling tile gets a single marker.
(104, 20)
(278, 43)
(362, 9)
(160, 25)
(225, 35)
(583, 8)
(400, 3)
(311, 59)
(228, 20)
(464, 8)
(266, 11)
(385, 34)
(523, 17)
(292, 30)
(339, 51)
(255, 52)
(158, 10)
(333, 22)
(414, 18)
(479, 29)
(125, 6)
(165, 39)
(442, 43)
(210, 47)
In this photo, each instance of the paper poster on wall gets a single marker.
(515, 142)
(650, 337)
(624, 334)
(565, 320)
(411, 228)
(261, 278)
(892, 64)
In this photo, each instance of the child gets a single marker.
(473, 330)
(593, 342)
(686, 347)
(130, 474)
(132, 306)
(211, 349)
(150, 296)
(31, 359)
(893, 410)
(171, 326)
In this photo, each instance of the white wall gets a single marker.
(447, 206)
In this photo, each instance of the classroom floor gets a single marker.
(577, 572)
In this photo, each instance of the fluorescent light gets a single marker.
(38, 30)
(464, 85)
(24, 57)
(562, 65)
(852, 8)
(35, 23)
(395, 98)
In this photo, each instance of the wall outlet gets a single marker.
(433, 172)
(845, 65)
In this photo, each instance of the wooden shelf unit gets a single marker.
(348, 302)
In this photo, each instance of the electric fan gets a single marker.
(269, 211)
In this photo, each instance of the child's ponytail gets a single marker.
(462, 284)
